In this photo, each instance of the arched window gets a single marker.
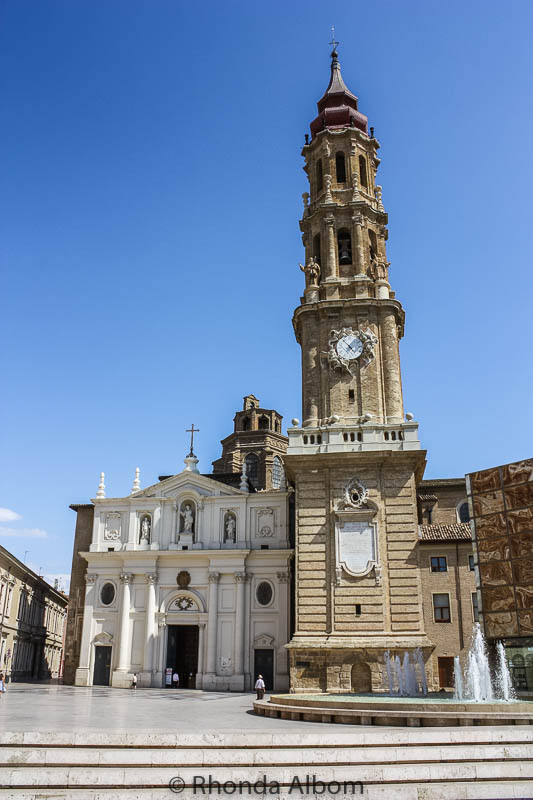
(344, 241)
(316, 249)
(363, 180)
(463, 512)
(252, 468)
(319, 175)
(340, 167)
(246, 424)
(277, 473)
(264, 423)
(373, 244)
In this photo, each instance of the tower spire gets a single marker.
(337, 108)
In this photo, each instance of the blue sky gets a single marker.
(151, 193)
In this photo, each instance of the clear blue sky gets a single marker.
(151, 192)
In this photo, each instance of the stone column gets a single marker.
(124, 635)
(391, 368)
(357, 228)
(331, 260)
(284, 611)
(240, 578)
(149, 641)
(212, 623)
(82, 672)
(201, 647)
(247, 605)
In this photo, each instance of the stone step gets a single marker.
(160, 776)
(359, 736)
(516, 790)
(250, 757)
(402, 764)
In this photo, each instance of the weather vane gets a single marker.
(333, 42)
(192, 430)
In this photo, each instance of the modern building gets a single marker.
(32, 622)
(501, 504)
(190, 574)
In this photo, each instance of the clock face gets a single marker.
(349, 347)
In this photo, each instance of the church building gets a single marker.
(190, 575)
(313, 558)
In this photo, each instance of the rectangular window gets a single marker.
(441, 607)
(351, 395)
(357, 609)
(471, 563)
(439, 564)
(475, 609)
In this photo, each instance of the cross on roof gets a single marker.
(192, 430)
(333, 43)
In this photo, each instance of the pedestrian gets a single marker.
(176, 679)
(260, 687)
(134, 681)
(2, 683)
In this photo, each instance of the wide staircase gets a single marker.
(411, 764)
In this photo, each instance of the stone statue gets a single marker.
(188, 519)
(230, 529)
(312, 273)
(145, 529)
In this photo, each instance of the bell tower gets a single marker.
(355, 460)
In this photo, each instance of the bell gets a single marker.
(345, 257)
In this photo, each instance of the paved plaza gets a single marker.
(38, 707)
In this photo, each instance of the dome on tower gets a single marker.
(338, 106)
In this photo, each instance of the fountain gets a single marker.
(479, 698)
(476, 683)
(403, 674)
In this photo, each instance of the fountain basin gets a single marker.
(372, 709)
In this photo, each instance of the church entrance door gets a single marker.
(102, 665)
(182, 653)
(264, 665)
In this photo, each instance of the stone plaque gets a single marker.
(357, 546)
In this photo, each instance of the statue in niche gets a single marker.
(146, 525)
(230, 527)
(188, 518)
(312, 273)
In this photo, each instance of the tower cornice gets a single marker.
(325, 307)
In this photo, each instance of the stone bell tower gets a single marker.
(355, 460)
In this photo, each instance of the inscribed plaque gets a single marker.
(357, 546)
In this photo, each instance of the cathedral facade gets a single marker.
(307, 558)
(190, 575)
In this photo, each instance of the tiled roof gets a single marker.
(427, 497)
(458, 531)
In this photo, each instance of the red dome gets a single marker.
(338, 107)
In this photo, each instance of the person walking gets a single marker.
(2, 683)
(134, 681)
(175, 679)
(260, 687)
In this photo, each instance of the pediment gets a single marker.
(187, 481)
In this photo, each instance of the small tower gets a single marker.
(257, 440)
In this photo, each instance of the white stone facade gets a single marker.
(182, 590)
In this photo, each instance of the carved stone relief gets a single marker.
(265, 523)
(113, 526)
(368, 341)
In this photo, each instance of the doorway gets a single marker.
(102, 665)
(182, 653)
(361, 678)
(264, 665)
(445, 672)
